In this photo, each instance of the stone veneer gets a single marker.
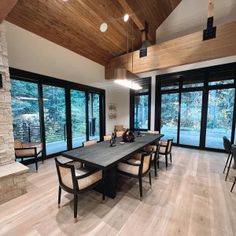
(12, 174)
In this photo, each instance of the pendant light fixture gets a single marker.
(124, 77)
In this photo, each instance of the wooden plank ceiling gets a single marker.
(75, 24)
(5, 7)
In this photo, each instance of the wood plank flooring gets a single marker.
(190, 198)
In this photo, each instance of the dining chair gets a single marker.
(89, 143)
(154, 150)
(232, 188)
(28, 150)
(164, 149)
(107, 137)
(77, 180)
(119, 130)
(233, 154)
(137, 167)
(227, 146)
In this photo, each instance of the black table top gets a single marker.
(101, 155)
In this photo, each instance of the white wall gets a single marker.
(120, 97)
(191, 16)
(30, 52)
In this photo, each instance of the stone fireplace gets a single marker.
(12, 174)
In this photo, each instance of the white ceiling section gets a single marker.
(30, 52)
(191, 16)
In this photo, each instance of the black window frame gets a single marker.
(205, 89)
(41, 80)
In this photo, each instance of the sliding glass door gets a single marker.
(169, 115)
(190, 118)
(25, 111)
(54, 119)
(78, 117)
(197, 107)
(94, 116)
(60, 114)
(219, 116)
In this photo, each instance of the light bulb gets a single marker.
(126, 17)
(103, 27)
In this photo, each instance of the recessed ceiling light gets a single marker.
(103, 27)
(126, 17)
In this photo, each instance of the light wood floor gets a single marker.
(191, 198)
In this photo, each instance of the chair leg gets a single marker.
(170, 157)
(158, 163)
(233, 185)
(59, 196)
(140, 187)
(226, 163)
(155, 166)
(36, 165)
(75, 206)
(230, 161)
(150, 178)
(166, 157)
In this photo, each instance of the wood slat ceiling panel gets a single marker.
(75, 24)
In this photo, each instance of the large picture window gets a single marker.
(197, 107)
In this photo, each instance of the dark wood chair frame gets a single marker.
(232, 188)
(34, 157)
(76, 191)
(154, 161)
(140, 173)
(227, 147)
(166, 152)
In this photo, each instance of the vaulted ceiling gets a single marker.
(75, 24)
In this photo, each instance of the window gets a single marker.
(78, 117)
(169, 115)
(94, 116)
(219, 116)
(197, 107)
(190, 118)
(140, 106)
(141, 111)
(25, 110)
(58, 113)
(55, 119)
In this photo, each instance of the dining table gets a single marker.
(105, 157)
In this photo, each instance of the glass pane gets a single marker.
(141, 112)
(195, 85)
(94, 116)
(170, 87)
(231, 81)
(190, 121)
(78, 117)
(169, 115)
(219, 116)
(25, 110)
(55, 119)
